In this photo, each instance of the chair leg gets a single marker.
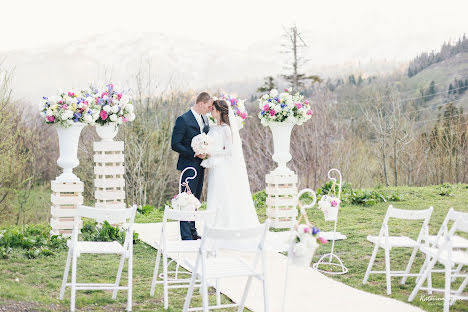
(119, 275)
(73, 283)
(244, 295)
(155, 274)
(448, 279)
(460, 289)
(408, 267)
(371, 263)
(387, 270)
(423, 269)
(165, 269)
(65, 274)
(422, 279)
(130, 282)
(190, 291)
(429, 283)
(218, 293)
(457, 271)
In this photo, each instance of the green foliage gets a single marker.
(145, 210)
(259, 199)
(105, 232)
(446, 189)
(30, 241)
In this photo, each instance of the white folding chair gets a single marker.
(444, 252)
(77, 247)
(387, 242)
(458, 242)
(215, 268)
(166, 247)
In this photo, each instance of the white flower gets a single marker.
(115, 109)
(70, 122)
(129, 108)
(90, 100)
(185, 202)
(289, 102)
(131, 117)
(95, 116)
(265, 96)
(88, 118)
(106, 108)
(49, 113)
(119, 121)
(124, 99)
(264, 122)
(113, 117)
(273, 93)
(300, 230)
(241, 105)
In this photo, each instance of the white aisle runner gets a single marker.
(308, 290)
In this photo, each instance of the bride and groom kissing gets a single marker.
(228, 192)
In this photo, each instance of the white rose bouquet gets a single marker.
(284, 107)
(201, 144)
(185, 202)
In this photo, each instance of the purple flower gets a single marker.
(315, 230)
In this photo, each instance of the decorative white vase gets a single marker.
(331, 213)
(68, 146)
(281, 142)
(305, 259)
(107, 132)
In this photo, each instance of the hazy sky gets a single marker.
(419, 24)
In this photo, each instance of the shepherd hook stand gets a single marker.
(331, 255)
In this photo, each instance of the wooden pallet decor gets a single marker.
(109, 173)
(281, 193)
(66, 196)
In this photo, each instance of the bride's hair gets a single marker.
(222, 107)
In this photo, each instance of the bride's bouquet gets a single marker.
(185, 202)
(201, 144)
(284, 107)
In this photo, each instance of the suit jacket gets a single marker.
(186, 127)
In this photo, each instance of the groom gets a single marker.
(188, 125)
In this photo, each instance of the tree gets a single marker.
(352, 80)
(293, 45)
(268, 84)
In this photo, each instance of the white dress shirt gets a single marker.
(199, 119)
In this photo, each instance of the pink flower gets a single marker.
(124, 119)
(309, 112)
(65, 106)
(306, 102)
(71, 94)
(233, 101)
(50, 118)
(286, 90)
(104, 93)
(119, 96)
(266, 107)
(103, 115)
(244, 115)
(306, 230)
(334, 203)
(175, 196)
(322, 240)
(298, 105)
(272, 113)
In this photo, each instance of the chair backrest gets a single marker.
(452, 216)
(405, 214)
(113, 216)
(257, 234)
(445, 240)
(178, 215)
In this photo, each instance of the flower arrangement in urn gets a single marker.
(185, 201)
(284, 107)
(68, 108)
(114, 105)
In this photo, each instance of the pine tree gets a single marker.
(352, 80)
(450, 89)
(268, 84)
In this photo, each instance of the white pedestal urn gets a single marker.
(281, 142)
(107, 132)
(68, 146)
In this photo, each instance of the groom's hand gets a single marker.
(201, 156)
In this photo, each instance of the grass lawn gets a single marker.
(35, 283)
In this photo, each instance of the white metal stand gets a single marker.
(330, 256)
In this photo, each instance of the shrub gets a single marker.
(105, 232)
(446, 189)
(30, 241)
(146, 209)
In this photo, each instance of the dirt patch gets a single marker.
(20, 306)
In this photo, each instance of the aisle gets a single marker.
(308, 289)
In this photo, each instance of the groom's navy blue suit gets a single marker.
(186, 127)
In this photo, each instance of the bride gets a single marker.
(228, 184)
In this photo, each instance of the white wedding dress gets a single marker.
(228, 185)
